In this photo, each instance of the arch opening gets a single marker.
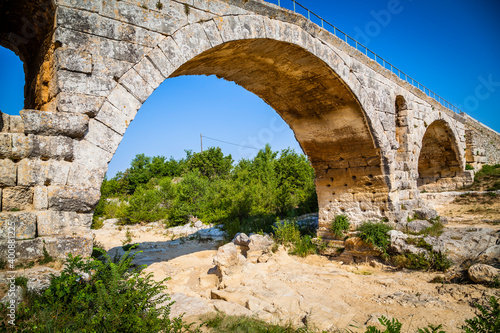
(325, 116)
(438, 161)
(12, 82)
(27, 31)
(401, 116)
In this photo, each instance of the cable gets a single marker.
(229, 143)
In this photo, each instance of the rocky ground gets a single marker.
(246, 277)
(324, 294)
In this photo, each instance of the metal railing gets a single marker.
(297, 7)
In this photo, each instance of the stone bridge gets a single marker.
(373, 139)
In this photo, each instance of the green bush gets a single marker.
(487, 319)
(376, 234)
(304, 247)
(340, 225)
(286, 233)
(222, 323)
(432, 260)
(92, 295)
(469, 167)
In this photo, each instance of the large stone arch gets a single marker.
(300, 77)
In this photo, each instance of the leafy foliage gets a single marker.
(222, 323)
(391, 326)
(245, 197)
(340, 225)
(376, 234)
(487, 320)
(92, 295)
(432, 260)
(300, 243)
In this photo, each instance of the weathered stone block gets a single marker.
(8, 173)
(192, 40)
(55, 123)
(79, 103)
(81, 83)
(134, 83)
(16, 125)
(22, 146)
(149, 73)
(17, 198)
(172, 52)
(53, 147)
(61, 246)
(73, 199)
(103, 136)
(4, 122)
(125, 103)
(51, 223)
(24, 250)
(74, 60)
(36, 172)
(20, 224)
(158, 58)
(212, 33)
(5, 145)
(40, 201)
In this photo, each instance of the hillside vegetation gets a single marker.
(246, 196)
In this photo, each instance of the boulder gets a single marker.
(241, 239)
(480, 273)
(399, 244)
(356, 247)
(418, 225)
(226, 257)
(426, 214)
(258, 248)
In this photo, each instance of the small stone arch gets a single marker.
(439, 161)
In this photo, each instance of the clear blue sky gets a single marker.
(453, 47)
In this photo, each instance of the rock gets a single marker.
(467, 245)
(227, 256)
(258, 247)
(260, 242)
(188, 306)
(241, 239)
(231, 309)
(356, 247)
(24, 222)
(399, 244)
(480, 273)
(418, 225)
(426, 214)
(198, 224)
(490, 255)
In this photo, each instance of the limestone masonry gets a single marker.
(374, 140)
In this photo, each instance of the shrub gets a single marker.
(304, 246)
(486, 320)
(376, 234)
(432, 260)
(469, 167)
(286, 233)
(97, 296)
(340, 225)
(222, 323)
